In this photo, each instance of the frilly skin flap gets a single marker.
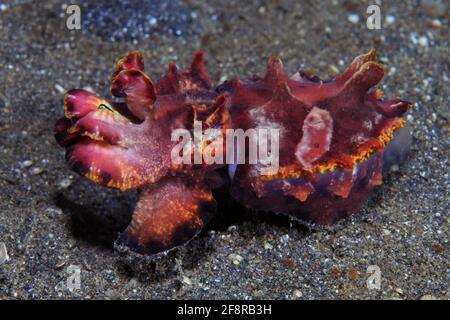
(336, 139)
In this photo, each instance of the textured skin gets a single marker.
(336, 140)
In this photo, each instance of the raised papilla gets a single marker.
(336, 139)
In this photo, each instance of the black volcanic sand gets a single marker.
(51, 219)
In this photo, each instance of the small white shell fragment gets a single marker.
(59, 88)
(36, 171)
(3, 253)
(268, 246)
(26, 163)
(389, 20)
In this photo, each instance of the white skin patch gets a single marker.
(316, 139)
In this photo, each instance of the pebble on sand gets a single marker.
(235, 258)
(26, 164)
(353, 18)
(65, 183)
(186, 280)
(267, 246)
(297, 294)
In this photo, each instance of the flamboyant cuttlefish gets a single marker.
(335, 139)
